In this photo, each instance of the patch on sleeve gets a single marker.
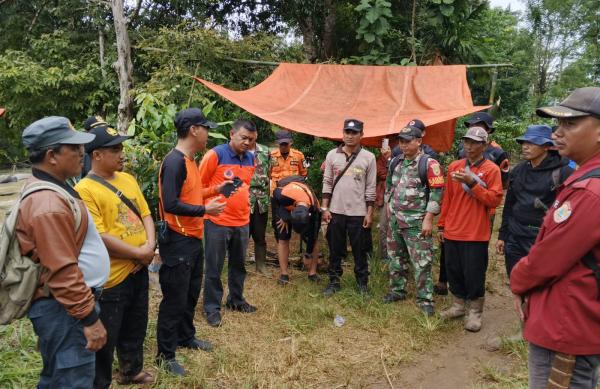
(563, 213)
(434, 175)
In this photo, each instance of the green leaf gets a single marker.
(217, 135)
(369, 37)
(448, 1)
(436, 1)
(447, 10)
(372, 15)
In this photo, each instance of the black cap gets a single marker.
(93, 121)
(283, 136)
(53, 130)
(192, 117)
(581, 102)
(413, 129)
(481, 117)
(353, 124)
(106, 136)
(300, 217)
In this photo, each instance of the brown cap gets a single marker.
(476, 133)
(581, 102)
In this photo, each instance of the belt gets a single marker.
(97, 292)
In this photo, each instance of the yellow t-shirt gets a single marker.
(113, 217)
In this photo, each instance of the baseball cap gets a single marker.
(283, 136)
(413, 129)
(581, 102)
(476, 133)
(481, 117)
(106, 136)
(300, 216)
(192, 117)
(538, 134)
(53, 130)
(353, 125)
(93, 121)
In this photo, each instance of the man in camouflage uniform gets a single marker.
(259, 204)
(412, 205)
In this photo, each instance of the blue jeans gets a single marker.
(67, 363)
(220, 241)
(585, 373)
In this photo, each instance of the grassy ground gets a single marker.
(292, 340)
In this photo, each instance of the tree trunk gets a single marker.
(123, 66)
(329, 29)
(101, 43)
(309, 44)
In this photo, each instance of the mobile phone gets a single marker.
(385, 143)
(231, 187)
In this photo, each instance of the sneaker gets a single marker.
(393, 297)
(172, 367)
(441, 289)
(244, 307)
(314, 278)
(331, 289)
(427, 310)
(197, 344)
(214, 319)
(284, 279)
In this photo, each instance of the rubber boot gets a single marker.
(456, 310)
(473, 319)
(260, 254)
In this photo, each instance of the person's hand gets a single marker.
(281, 226)
(386, 152)
(500, 246)
(214, 207)
(427, 226)
(145, 253)
(326, 216)
(440, 236)
(462, 177)
(95, 336)
(368, 220)
(518, 302)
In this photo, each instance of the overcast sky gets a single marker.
(515, 5)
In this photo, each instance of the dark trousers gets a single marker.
(67, 363)
(443, 276)
(585, 372)
(516, 248)
(340, 227)
(258, 229)
(221, 241)
(466, 265)
(180, 280)
(124, 313)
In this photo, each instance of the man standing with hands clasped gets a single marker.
(349, 184)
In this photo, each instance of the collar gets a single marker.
(44, 176)
(233, 154)
(583, 169)
(478, 164)
(339, 149)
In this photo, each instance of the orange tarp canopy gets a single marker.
(316, 99)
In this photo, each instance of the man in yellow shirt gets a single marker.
(123, 220)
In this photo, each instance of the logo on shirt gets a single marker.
(563, 213)
(228, 174)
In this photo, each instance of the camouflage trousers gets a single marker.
(406, 247)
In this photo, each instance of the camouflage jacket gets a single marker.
(407, 196)
(259, 186)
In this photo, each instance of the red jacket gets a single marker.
(563, 313)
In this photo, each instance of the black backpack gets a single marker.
(286, 180)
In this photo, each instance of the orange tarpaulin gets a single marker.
(315, 99)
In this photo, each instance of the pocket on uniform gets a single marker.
(176, 260)
(74, 357)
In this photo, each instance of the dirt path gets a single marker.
(458, 363)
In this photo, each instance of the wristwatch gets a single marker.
(323, 209)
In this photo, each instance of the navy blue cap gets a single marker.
(283, 136)
(192, 117)
(353, 125)
(538, 134)
(106, 136)
(413, 129)
(51, 131)
(481, 117)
